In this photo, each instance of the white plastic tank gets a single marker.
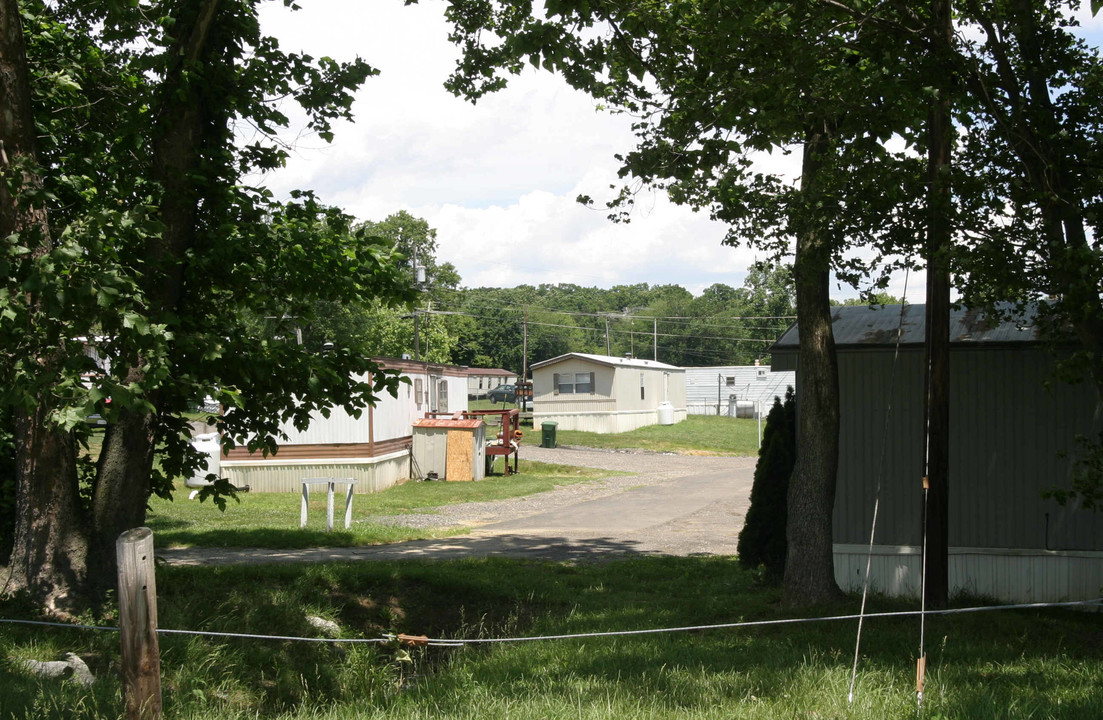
(666, 413)
(211, 448)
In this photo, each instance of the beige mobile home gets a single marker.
(604, 394)
(373, 449)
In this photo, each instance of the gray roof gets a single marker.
(608, 360)
(862, 325)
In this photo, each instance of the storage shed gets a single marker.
(449, 449)
(604, 394)
(735, 390)
(373, 449)
(1013, 428)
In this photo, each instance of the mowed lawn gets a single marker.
(697, 434)
(271, 520)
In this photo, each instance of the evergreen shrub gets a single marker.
(762, 539)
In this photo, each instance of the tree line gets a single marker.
(491, 327)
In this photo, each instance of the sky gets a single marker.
(498, 179)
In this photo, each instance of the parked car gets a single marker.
(503, 393)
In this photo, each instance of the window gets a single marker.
(480, 383)
(762, 373)
(731, 381)
(419, 391)
(641, 387)
(573, 383)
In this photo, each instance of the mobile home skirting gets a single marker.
(286, 475)
(603, 421)
(1009, 575)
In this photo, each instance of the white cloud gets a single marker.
(498, 180)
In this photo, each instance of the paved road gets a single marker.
(665, 504)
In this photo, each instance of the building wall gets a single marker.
(1015, 576)
(366, 445)
(1013, 428)
(758, 384)
(372, 474)
(1012, 432)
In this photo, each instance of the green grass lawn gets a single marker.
(994, 666)
(271, 520)
(700, 434)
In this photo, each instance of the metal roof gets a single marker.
(862, 325)
(497, 372)
(448, 423)
(608, 360)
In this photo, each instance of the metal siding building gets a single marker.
(373, 449)
(622, 393)
(1014, 427)
(715, 390)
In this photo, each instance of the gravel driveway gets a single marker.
(668, 504)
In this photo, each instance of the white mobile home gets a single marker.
(373, 449)
(1013, 432)
(603, 394)
(482, 380)
(735, 390)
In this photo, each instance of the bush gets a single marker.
(762, 539)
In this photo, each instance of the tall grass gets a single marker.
(997, 665)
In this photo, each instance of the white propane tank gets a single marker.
(666, 413)
(209, 445)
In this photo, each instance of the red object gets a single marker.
(511, 430)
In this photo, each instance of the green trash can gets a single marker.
(547, 434)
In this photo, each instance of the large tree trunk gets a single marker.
(809, 565)
(126, 460)
(49, 546)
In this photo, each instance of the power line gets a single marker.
(602, 330)
(521, 307)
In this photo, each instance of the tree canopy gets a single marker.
(131, 234)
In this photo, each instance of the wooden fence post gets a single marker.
(141, 658)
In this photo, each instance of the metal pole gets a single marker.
(655, 332)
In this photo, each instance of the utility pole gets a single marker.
(937, 386)
(525, 356)
(655, 337)
(608, 349)
(417, 341)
